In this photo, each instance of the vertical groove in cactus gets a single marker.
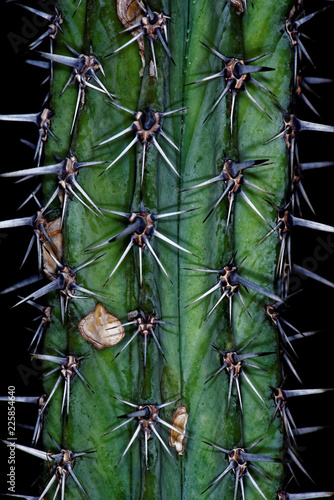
(190, 349)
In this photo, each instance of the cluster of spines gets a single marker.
(47, 235)
(237, 281)
(288, 217)
(146, 126)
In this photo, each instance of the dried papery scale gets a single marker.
(95, 327)
(201, 153)
(180, 421)
(54, 247)
(129, 13)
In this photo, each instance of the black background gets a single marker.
(22, 92)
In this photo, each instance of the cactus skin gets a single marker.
(188, 352)
(194, 336)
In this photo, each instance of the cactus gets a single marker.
(163, 231)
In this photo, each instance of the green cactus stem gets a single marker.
(165, 275)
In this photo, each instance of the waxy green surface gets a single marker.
(191, 359)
